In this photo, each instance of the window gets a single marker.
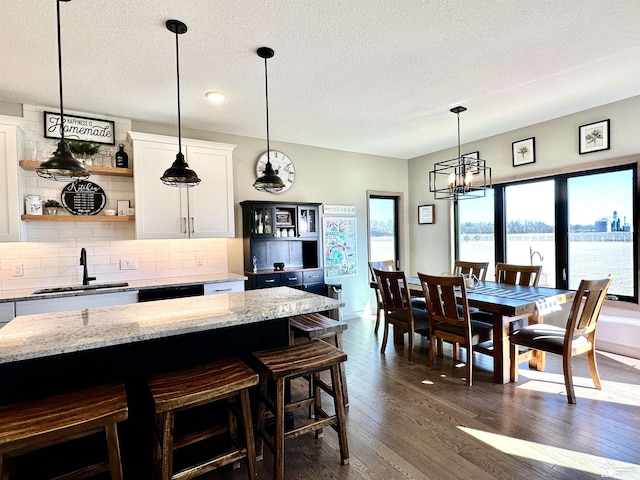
(600, 234)
(475, 231)
(578, 225)
(530, 223)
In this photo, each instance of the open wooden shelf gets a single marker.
(78, 218)
(31, 165)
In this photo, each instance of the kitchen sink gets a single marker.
(81, 288)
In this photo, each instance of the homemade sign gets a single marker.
(83, 198)
(80, 128)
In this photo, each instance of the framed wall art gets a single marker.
(524, 151)
(594, 137)
(426, 214)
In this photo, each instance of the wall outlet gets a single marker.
(17, 270)
(128, 264)
(199, 259)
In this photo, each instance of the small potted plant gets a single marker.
(84, 151)
(52, 207)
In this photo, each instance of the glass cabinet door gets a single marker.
(262, 220)
(308, 221)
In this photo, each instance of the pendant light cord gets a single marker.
(458, 115)
(178, 83)
(266, 95)
(60, 74)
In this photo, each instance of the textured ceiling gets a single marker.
(368, 76)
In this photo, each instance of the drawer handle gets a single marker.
(314, 276)
(292, 279)
(270, 280)
(223, 290)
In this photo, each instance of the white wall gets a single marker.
(556, 150)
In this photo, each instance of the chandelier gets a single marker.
(462, 177)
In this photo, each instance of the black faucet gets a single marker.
(83, 261)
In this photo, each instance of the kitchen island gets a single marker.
(46, 354)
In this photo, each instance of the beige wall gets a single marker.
(322, 175)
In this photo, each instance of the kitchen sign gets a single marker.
(80, 128)
(83, 198)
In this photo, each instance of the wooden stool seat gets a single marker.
(33, 425)
(286, 363)
(193, 387)
(315, 326)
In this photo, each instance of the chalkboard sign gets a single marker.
(83, 198)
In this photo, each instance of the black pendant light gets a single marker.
(61, 166)
(269, 180)
(179, 174)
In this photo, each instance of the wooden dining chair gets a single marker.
(398, 311)
(576, 338)
(388, 265)
(479, 269)
(449, 322)
(518, 274)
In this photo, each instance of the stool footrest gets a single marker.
(200, 435)
(311, 427)
(211, 464)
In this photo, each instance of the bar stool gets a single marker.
(193, 387)
(29, 426)
(315, 326)
(286, 363)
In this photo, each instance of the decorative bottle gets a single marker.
(122, 159)
(259, 225)
(267, 222)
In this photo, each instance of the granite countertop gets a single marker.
(49, 334)
(133, 285)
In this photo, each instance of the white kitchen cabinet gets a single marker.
(79, 302)
(203, 211)
(12, 134)
(224, 287)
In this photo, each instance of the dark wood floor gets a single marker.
(408, 422)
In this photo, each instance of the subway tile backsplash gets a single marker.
(55, 261)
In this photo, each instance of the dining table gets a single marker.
(508, 303)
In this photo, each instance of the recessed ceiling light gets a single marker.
(215, 96)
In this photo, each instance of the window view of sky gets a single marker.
(592, 198)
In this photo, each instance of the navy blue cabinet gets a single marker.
(282, 233)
